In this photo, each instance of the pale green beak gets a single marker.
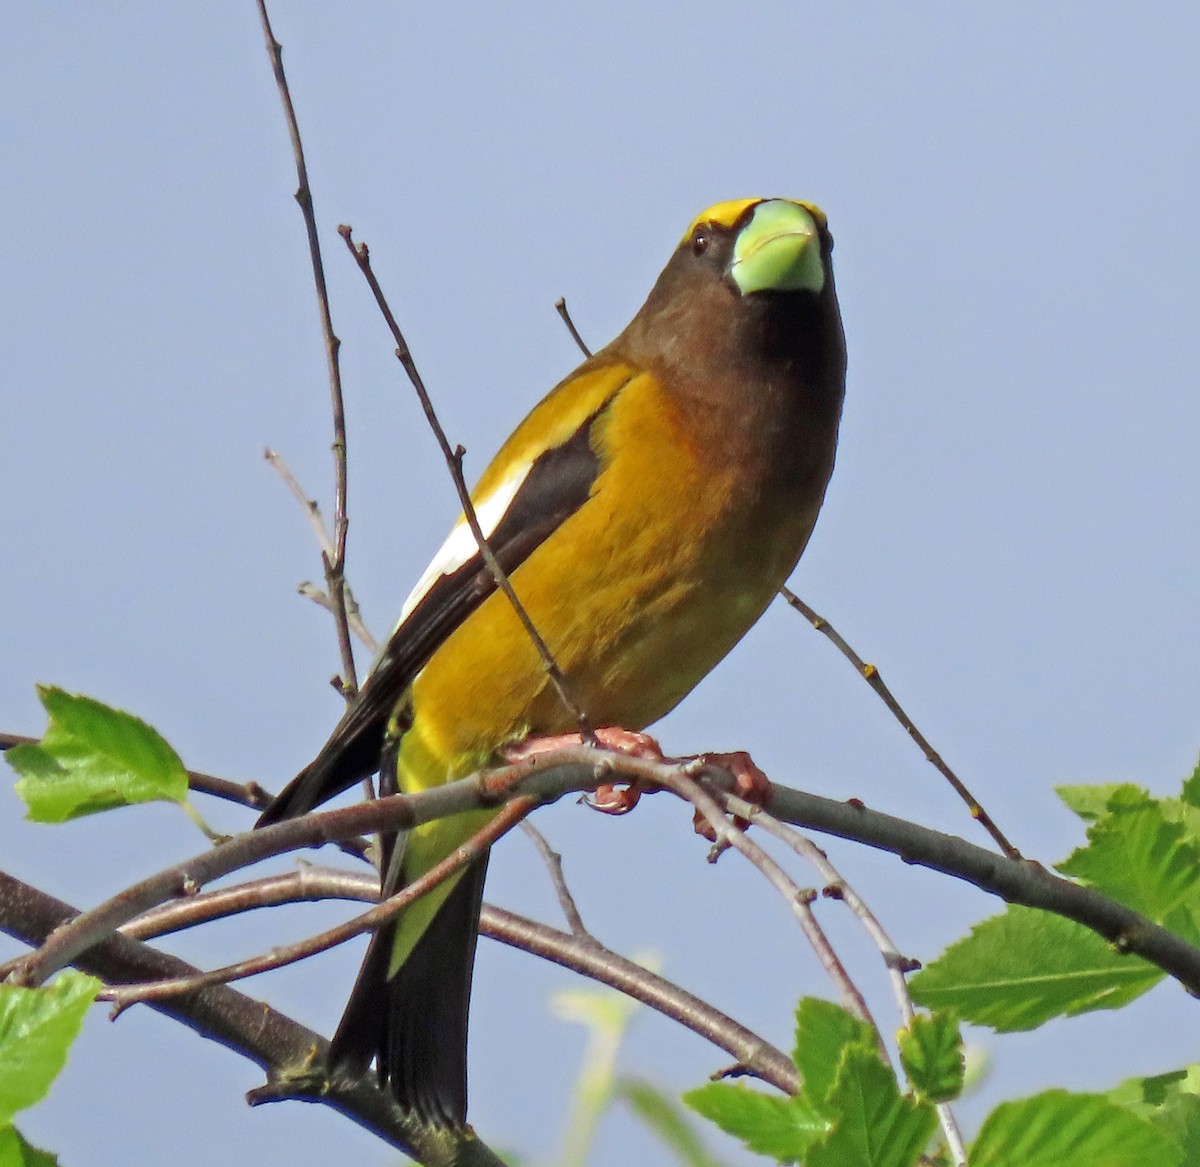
(779, 249)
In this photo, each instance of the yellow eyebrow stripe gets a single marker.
(721, 214)
(727, 213)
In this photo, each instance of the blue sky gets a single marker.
(1010, 533)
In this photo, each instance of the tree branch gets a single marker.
(286, 1050)
(507, 818)
(578, 768)
(581, 954)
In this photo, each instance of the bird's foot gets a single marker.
(608, 798)
(749, 784)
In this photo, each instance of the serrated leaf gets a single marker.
(15, 1151)
(783, 1128)
(1019, 969)
(875, 1126)
(1138, 857)
(932, 1056)
(37, 1027)
(823, 1030)
(1057, 1129)
(665, 1118)
(1088, 802)
(93, 758)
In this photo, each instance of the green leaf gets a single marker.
(1170, 1101)
(1057, 1129)
(932, 1056)
(1138, 857)
(667, 1120)
(783, 1128)
(93, 758)
(16, 1152)
(37, 1027)
(1018, 970)
(876, 1126)
(1191, 788)
(1089, 802)
(823, 1031)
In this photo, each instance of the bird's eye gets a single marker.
(701, 238)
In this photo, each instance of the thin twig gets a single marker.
(308, 504)
(836, 887)
(334, 560)
(581, 954)
(505, 819)
(553, 861)
(310, 591)
(560, 306)
(316, 520)
(871, 675)
(454, 460)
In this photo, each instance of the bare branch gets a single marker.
(454, 457)
(334, 560)
(871, 675)
(578, 768)
(581, 954)
(505, 819)
(286, 1050)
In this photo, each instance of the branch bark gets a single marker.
(286, 1050)
(581, 953)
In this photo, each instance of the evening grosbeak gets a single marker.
(646, 511)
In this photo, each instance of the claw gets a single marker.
(749, 783)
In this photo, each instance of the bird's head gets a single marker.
(748, 294)
(760, 245)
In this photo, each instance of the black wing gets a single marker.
(557, 485)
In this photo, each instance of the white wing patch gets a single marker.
(460, 546)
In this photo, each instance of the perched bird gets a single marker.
(646, 511)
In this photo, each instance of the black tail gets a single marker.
(414, 1027)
